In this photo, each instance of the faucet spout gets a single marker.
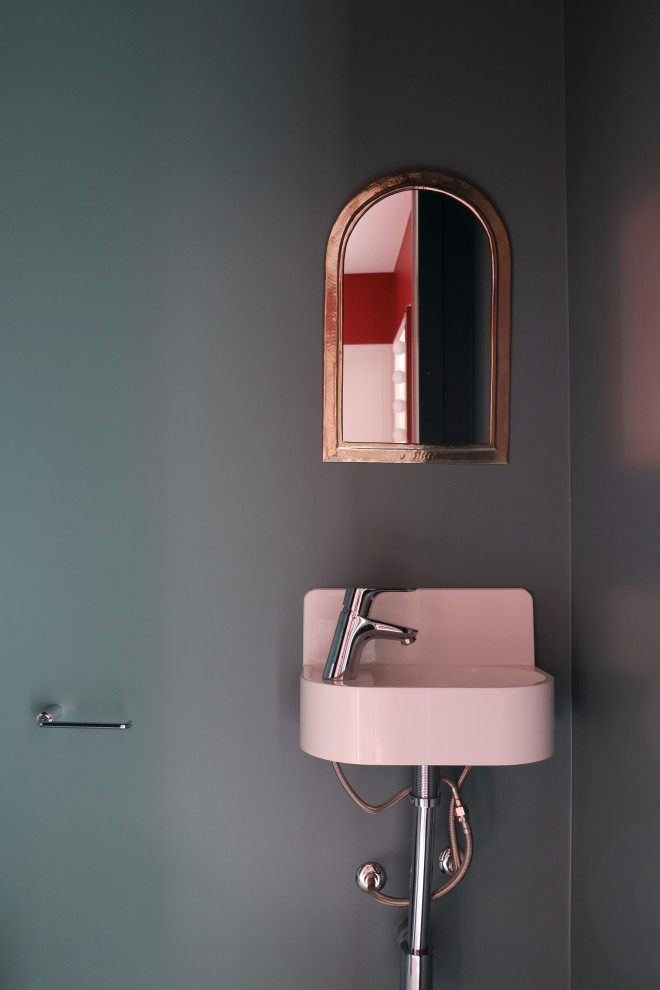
(355, 628)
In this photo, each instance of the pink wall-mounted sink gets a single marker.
(466, 692)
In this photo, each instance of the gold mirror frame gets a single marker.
(496, 451)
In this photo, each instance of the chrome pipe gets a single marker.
(420, 880)
(416, 971)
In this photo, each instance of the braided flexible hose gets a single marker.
(439, 891)
(376, 809)
(371, 809)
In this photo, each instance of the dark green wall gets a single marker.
(171, 173)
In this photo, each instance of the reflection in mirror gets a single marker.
(417, 325)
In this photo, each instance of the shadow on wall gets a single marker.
(622, 861)
(632, 633)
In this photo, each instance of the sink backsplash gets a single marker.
(464, 626)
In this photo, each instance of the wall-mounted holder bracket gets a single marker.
(370, 875)
(49, 718)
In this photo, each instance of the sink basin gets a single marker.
(422, 714)
(467, 692)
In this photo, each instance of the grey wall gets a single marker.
(173, 169)
(613, 118)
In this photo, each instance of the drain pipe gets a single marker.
(424, 794)
(416, 961)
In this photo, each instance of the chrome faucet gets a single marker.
(354, 628)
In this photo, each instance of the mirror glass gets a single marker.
(416, 319)
(417, 325)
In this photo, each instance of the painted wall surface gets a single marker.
(369, 315)
(613, 118)
(171, 172)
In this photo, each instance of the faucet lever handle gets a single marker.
(359, 599)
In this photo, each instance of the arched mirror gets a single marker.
(417, 325)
